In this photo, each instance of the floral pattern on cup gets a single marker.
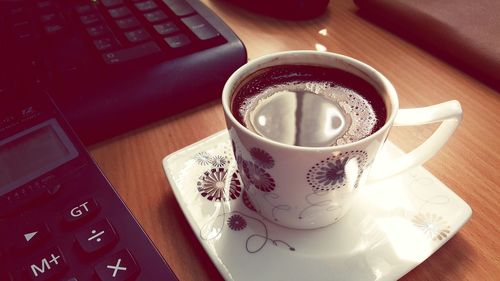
(247, 201)
(262, 158)
(212, 185)
(432, 225)
(337, 171)
(239, 161)
(319, 200)
(258, 176)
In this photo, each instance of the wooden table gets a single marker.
(468, 164)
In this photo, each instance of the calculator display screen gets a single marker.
(31, 153)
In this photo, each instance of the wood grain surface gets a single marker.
(469, 163)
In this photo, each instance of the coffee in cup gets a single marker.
(306, 105)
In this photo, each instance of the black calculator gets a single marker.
(60, 218)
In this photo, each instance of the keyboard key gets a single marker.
(22, 24)
(51, 29)
(97, 237)
(166, 28)
(51, 17)
(179, 7)
(88, 208)
(146, 6)
(44, 4)
(46, 266)
(90, 19)
(200, 27)
(124, 55)
(155, 16)
(177, 41)
(84, 9)
(105, 44)
(127, 23)
(138, 35)
(111, 3)
(118, 267)
(97, 30)
(119, 12)
(23, 30)
(19, 11)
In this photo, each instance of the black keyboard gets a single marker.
(115, 65)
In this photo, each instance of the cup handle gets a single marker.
(449, 113)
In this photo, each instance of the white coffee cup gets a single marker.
(282, 180)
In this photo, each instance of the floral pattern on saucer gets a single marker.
(432, 225)
(236, 222)
(203, 158)
(212, 185)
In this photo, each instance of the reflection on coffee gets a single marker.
(308, 106)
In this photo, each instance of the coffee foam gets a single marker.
(357, 109)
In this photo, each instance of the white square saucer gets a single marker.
(395, 225)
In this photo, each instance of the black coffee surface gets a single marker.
(308, 105)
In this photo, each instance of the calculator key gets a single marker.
(96, 237)
(29, 236)
(177, 41)
(136, 36)
(105, 44)
(155, 16)
(85, 209)
(97, 30)
(127, 23)
(146, 5)
(47, 266)
(166, 28)
(119, 12)
(111, 3)
(118, 267)
(179, 7)
(124, 55)
(5, 275)
(200, 27)
(89, 19)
